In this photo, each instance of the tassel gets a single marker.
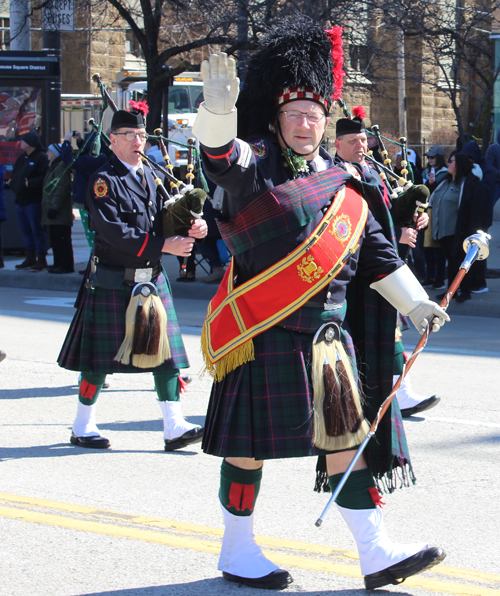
(153, 343)
(141, 331)
(350, 411)
(332, 403)
(337, 402)
(160, 336)
(124, 351)
(145, 329)
(321, 482)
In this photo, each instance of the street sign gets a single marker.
(59, 15)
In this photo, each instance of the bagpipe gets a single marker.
(408, 199)
(184, 202)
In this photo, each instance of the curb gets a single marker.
(71, 282)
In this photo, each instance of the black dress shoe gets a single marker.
(425, 559)
(426, 404)
(90, 442)
(194, 435)
(276, 580)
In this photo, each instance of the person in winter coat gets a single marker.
(3, 210)
(435, 261)
(488, 175)
(57, 211)
(27, 183)
(83, 167)
(460, 207)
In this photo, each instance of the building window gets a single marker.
(359, 58)
(4, 33)
(132, 45)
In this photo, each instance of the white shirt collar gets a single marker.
(131, 168)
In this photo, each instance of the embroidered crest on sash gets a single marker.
(259, 148)
(341, 228)
(308, 270)
(100, 188)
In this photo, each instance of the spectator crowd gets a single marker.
(48, 185)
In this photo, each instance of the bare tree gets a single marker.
(447, 42)
(447, 48)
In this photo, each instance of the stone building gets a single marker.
(411, 103)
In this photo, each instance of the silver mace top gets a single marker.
(477, 247)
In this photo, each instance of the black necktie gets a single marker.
(142, 178)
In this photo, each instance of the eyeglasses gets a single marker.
(130, 136)
(295, 116)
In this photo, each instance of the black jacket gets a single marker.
(474, 211)
(126, 217)
(31, 168)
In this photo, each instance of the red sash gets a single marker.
(236, 315)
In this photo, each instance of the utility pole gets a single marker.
(401, 83)
(51, 42)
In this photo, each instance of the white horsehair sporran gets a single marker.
(339, 422)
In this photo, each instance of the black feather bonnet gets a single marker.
(296, 59)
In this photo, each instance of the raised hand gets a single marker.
(220, 83)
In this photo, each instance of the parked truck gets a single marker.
(184, 98)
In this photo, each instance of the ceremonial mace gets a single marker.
(475, 247)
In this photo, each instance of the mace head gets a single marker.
(482, 241)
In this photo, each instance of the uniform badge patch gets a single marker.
(259, 148)
(308, 270)
(100, 188)
(341, 228)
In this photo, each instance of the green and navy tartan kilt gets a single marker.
(264, 408)
(98, 329)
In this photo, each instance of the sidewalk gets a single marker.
(481, 305)
(10, 277)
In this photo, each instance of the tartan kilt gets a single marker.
(98, 329)
(264, 408)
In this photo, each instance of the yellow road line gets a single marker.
(213, 547)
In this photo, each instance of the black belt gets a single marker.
(109, 277)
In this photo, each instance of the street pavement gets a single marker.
(136, 521)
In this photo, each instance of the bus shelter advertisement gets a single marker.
(20, 112)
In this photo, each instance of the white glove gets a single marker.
(220, 83)
(424, 313)
(402, 289)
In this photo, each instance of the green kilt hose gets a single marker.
(98, 329)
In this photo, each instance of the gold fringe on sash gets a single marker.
(339, 422)
(146, 341)
(218, 370)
